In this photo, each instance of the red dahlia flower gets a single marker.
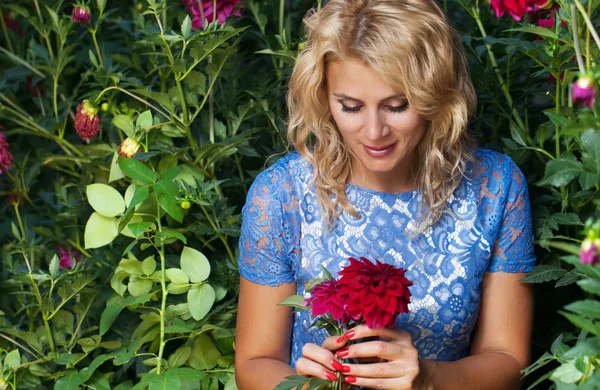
(225, 8)
(516, 8)
(5, 156)
(68, 257)
(81, 14)
(377, 293)
(87, 122)
(590, 252)
(325, 298)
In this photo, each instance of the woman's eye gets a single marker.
(351, 109)
(397, 108)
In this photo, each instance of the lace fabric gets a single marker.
(488, 230)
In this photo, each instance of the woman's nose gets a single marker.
(376, 127)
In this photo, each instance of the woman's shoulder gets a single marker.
(486, 163)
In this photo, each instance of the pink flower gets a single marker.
(225, 8)
(68, 257)
(5, 156)
(517, 8)
(87, 122)
(326, 299)
(81, 14)
(590, 252)
(584, 91)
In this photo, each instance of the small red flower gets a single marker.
(584, 91)
(12, 24)
(81, 14)
(5, 156)
(36, 89)
(590, 252)
(325, 298)
(87, 122)
(68, 257)
(225, 8)
(377, 293)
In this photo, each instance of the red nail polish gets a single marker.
(340, 339)
(349, 334)
(346, 369)
(349, 379)
(342, 352)
(336, 365)
(330, 375)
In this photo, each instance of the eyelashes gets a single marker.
(395, 109)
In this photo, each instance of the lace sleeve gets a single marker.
(513, 250)
(264, 248)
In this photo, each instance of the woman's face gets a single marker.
(378, 124)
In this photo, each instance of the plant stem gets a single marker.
(163, 303)
(503, 86)
(93, 31)
(54, 96)
(133, 96)
(588, 22)
(211, 113)
(281, 16)
(580, 63)
(21, 61)
(45, 33)
(223, 239)
(5, 31)
(587, 39)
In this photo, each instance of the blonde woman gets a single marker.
(378, 105)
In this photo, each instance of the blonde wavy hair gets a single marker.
(413, 47)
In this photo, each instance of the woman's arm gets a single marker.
(263, 335)
(500, 347)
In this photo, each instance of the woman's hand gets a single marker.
(398, 366)
(319, 361)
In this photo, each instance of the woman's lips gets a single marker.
(379, 151)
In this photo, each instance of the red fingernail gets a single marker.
(330, 375)
(340, 339)
(349, 379)
(342, 352)
(336, 365)
(349, 334)
(345, 368)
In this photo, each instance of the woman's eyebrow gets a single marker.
(347, 97)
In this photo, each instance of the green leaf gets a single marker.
(171, 234)
(570, 278)
(591, 144)
(133, 267)
(15, 231)
(109, 315)
(200, 298)
(204, 353)
(179, 357)
(137, 170)
(137, 229)
(195, 264)
(139, 287)
(186, 27)
(167, 191)
(587, 307)
(541, 31)
(101, 5)
(93, 59)
(326, 274)
(544, 273)
(516, 134)
(296, 301)
(115, 171)
(125, 123)
(177, 276)
(64, 358)
(105, 200)
(144, 120)
(590, 285)
(100, 231)
(561, 171)
(98, 381)
(12, 359)
(149, 265)
(116, 282)
(178, 289)
(54, 266)
(86, 373)
(69, 382)
(567, 373)
(581, 322)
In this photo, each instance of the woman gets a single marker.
(379, 101)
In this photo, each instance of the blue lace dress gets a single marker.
(282, 241)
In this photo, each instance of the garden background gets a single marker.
(131, 131)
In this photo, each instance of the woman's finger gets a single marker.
(403, 383)
(333, 343)
(318, 354)
(311, 368)
(363, 331)
(382, 349)
(380, 370)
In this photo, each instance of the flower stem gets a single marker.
(44, 32)
(281, 16)
(5, 31)
(93, 31)
(503, 85)
(588, 22)
(163, 303)
(55, 95)
(580, 63)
